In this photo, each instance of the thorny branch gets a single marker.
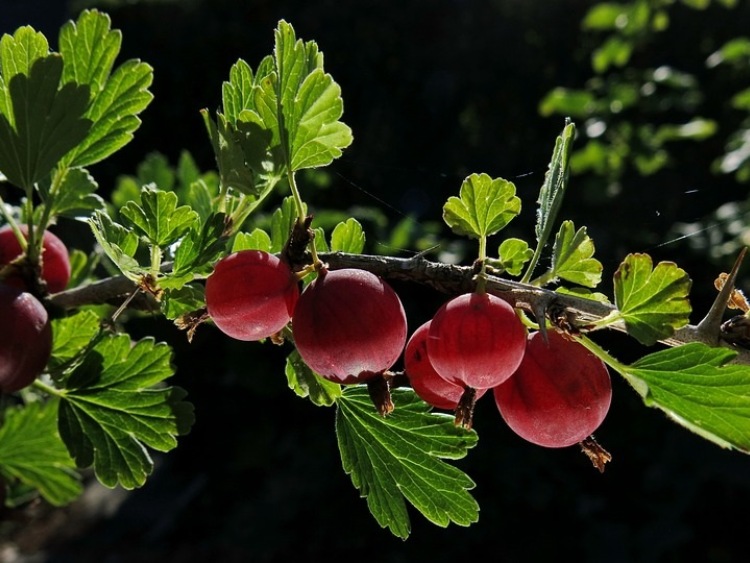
(453, 279)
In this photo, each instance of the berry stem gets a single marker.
(482, 275)
(302, 216)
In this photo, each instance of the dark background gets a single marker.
(433, 92)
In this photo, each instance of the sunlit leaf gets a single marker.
(31, 450)
(114, 407)
(698, 387)
(397, 459)
(307, 384)
(485, 205)
(572, 257)
(653, 301)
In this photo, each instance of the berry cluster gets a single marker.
(349, 326)
(25, 331)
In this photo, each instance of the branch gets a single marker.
(452, 280)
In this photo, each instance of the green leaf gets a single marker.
(200, 247)
(310, 102)
(113, 408)
(572, 103)
(89, 49)
(397, 459)
(186, 299)
(117, 242)
(114, 113)
(485, 206)
(230, 157)
(72, 334)
(615, 51)
(698, 388)
(76, 197)
(555, 183)
(158, 219)
(348, 236)
(31, 451)
(572, 257)
(42, 124)
(307, 384)
(258, 239)
(653, 302)
(282, 222)
(513, 254)
(19, 52)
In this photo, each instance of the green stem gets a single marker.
(534, 260)
(482, 275)
(48, 389)
(600, 353)
(300, 206)
(13, 224)
(156, 256)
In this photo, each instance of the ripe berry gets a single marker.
(251, 295)
(349, 325)
(476, 340)
(426, 382)
(25, 339)
(55, 259)
(560, 394)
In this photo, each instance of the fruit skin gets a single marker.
(25, 339)
(251, 294)
(349, 325)
(476, 340)
(559, 395)
(426, 382)
(55, 259)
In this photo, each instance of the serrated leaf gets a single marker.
(112, 409)
(31, 450)
(513, 254)
(114, 113)
(72, 334)
(697, 387)
(555, 183)
(399, 458)
(282, 222)
(653, 302)
(117, 242)
(89, 48)
(258, 239)
(19, 52)
(186, 299)
(310, 101)
(43, 123)
(76, 197)
(200, 247)
(230, 158)
(348, 236)
(572, 257)
(157, 218)
(484, 206)
(307, 384)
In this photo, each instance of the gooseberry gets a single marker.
(25, 338)
(426, 382)
(251, 294)
(349, 325)
(559, 395)
(55, 259)
(476, 340)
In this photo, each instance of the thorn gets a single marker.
(710, 326)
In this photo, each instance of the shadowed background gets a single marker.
(433, 91)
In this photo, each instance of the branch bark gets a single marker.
(446, 278)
